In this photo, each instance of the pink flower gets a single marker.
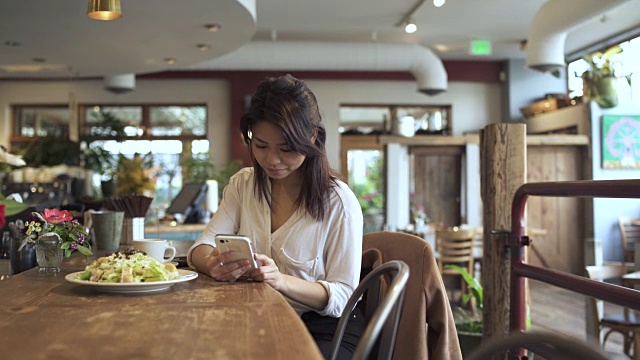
(55, 216)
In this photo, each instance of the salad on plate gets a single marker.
(128, 267)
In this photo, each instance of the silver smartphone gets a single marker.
(240, 245)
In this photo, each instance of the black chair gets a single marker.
(383, 323)
(551, 346)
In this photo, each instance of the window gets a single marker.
(407, 120)
(169, 133)
(178, 120)
(40, 121)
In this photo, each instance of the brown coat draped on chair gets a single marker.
(425, 299)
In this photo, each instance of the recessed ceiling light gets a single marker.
(213, 27)
(12, 43)
(170, 61)
(442, 47)
(204, 47)
(32, 68)
(39, 60)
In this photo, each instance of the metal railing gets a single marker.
(518, 240)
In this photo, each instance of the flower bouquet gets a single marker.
(55, 232)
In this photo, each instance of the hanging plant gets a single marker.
(601, 79)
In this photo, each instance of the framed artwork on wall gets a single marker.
(621, 141)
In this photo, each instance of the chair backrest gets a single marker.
(602, 273)
(426, 300)
(455, 246)
(630, 232)
(384, 321)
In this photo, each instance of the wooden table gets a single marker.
(46, 317)
(631, 279)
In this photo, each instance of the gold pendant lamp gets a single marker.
(104, 9)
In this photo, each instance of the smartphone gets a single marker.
(239, 244)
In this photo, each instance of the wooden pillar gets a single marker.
(503, 170)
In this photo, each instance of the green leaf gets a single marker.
(475, 288)
(12, 207)
(84, 251)
(79, 228)
(65, 245)
(67, 252)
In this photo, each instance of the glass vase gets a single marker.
(49, 254)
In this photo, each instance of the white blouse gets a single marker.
(328, 252)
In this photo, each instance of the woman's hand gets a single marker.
(268, 272)
(220, 269)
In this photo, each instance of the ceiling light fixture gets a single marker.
(411, 27)
(213, 27)
(170, 61)
(407, 21)
(438, 3)
(104, 9)
(204, 47)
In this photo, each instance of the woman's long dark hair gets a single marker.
(288, 104)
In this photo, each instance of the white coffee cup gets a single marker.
(156, 248)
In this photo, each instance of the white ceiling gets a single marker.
(73, 45)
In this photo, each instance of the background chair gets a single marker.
(630, 231)
(455, 246)
(384, 321)
(548, 345)
(627, 323)
(426, 299)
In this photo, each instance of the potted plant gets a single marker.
(469, 320)
(601, 78)
(200, 168)
(55, 234)
(135, 175)
(95, 157)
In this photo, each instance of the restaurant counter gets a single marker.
(174, 231)
(47, 317)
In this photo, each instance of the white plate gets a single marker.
(133, 288)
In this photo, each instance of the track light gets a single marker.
(410, 27)
(407, 21)
(104, 9)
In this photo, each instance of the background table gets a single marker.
(46, 317)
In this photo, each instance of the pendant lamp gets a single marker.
(104, 9)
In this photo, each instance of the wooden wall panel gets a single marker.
(562, 246)
(437, 174)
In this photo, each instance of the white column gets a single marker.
(471, 192)
(398, 168)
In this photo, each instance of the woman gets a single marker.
(306, 225)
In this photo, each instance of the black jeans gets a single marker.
(322, 329)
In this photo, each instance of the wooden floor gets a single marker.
(562, 311)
